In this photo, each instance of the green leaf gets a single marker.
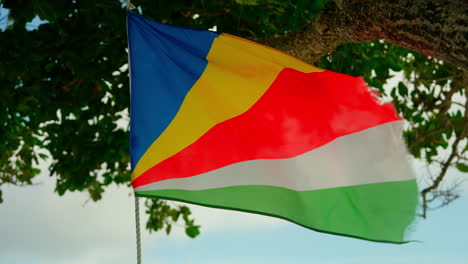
(462, 167)
(175, 216)
(402, 89)
(192, 231)
(35, 171)
(168, 229)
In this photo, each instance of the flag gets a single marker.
(220, 121)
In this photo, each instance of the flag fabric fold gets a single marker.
(224, 122)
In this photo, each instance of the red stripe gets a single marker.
(298, 113)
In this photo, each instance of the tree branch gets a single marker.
(314, 40)
(431, 27)
(463, 133)
(444, 107)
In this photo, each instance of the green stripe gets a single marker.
(378, 212)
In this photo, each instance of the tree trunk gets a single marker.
(432, 27)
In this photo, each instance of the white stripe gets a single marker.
(370, 156)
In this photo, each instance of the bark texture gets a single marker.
(437, 28)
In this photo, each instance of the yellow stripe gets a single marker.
(238, 73)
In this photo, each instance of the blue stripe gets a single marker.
(165, 62)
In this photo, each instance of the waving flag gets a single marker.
(224, 122)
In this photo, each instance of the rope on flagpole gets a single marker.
(137, 225)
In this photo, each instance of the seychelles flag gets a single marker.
(220, 121)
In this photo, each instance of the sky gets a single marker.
(38, 226)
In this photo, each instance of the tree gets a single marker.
(64, 92)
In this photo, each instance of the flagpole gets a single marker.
(137, 225)
(130, 6)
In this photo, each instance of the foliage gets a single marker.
(163, 216)
(431, 97)
(64, 93)
(422, 97)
